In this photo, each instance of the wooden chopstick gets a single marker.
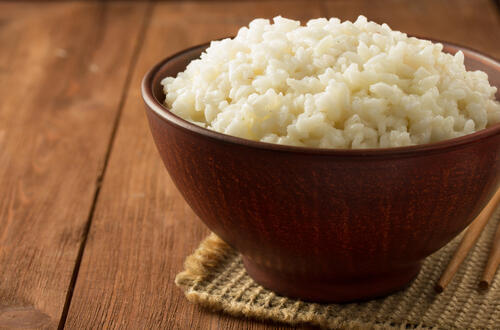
(468, 241)
(493, 261)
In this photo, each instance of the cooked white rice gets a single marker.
(332, 84)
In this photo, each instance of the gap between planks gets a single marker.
(133, 62)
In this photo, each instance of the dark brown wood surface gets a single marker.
(70, 99)
(63, 69)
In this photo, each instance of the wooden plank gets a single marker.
(63, 68)
(143, 229)
(474, 24)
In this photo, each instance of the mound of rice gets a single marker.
(332, 84)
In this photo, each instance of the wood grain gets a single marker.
(61, 82)
(143, 229)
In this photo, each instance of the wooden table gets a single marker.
(92, 230)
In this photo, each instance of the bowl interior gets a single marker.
(170, 68)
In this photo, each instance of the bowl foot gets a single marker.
(334, 291)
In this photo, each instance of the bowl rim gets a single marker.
(165, 114)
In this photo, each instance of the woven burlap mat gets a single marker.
(214, 277)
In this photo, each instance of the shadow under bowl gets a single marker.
(327, 225)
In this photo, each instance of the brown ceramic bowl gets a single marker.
(327, 224)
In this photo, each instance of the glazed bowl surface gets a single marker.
(327, 225)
